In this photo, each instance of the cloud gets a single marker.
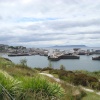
(49, 22)
(0, 17)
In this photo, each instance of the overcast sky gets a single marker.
(50, 22)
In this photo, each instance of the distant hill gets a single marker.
(75, 46)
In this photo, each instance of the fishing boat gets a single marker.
(96, 58)
(65, 56)
(18, 54)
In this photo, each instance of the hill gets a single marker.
(65, 46)
(21, 82)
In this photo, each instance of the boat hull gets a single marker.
(18, 55)
(95, 58)
(64, 57)
(69, 57)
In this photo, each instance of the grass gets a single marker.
(24, 88)
(39, 85)
(83, 77)
(16, 70)
(71, 93)
(94, 74)
(24, 83)
(19, 70)
(77, 78)
(91, 96)
(9, 87)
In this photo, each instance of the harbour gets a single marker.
(84, 63)
(72, 58)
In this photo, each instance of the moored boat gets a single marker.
(69, 57)
(53, 59)
(96, 58)
(19, 54)
(65, 56)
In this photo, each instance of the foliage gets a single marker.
(40, 86)
(50, 64)
(62, 67)
(77, 77)
(91, 96)
(9, 87)
(23, 62)
(23, 83)
(24, 88)
(4, 62)
(80, 79)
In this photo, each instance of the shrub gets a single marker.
(28, 88)
(4, 62)
(9, 87)
(79, 79)
(42, 88)
(23, 62)
(62, 67)
(82, 79)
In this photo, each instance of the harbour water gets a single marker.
(84, 63)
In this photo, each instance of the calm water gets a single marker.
(84, 63)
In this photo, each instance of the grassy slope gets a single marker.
(33, 86)
(18, 70)
(91, 96)
(88, 75)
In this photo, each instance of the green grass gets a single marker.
(24, 88)
(91, 96)
(16, 70)
(9, 87)
(24, 83)
(39, 85)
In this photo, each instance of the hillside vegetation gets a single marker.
(84, 78)
(20, 82)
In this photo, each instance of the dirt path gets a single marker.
(58, 80)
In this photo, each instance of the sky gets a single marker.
(43, 23)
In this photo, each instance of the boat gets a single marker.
(18, 54)
(96, 58)
(66, 56)
(53, 58)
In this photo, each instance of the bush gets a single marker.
(28, 88)
(42, 88)
(9, 87)
(82, 79)
(79, 79)
(62, 67)
(23, 62)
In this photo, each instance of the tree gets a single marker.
(62, 67)
(23, 62)
(50, 64)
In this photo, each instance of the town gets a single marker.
(53, 54)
